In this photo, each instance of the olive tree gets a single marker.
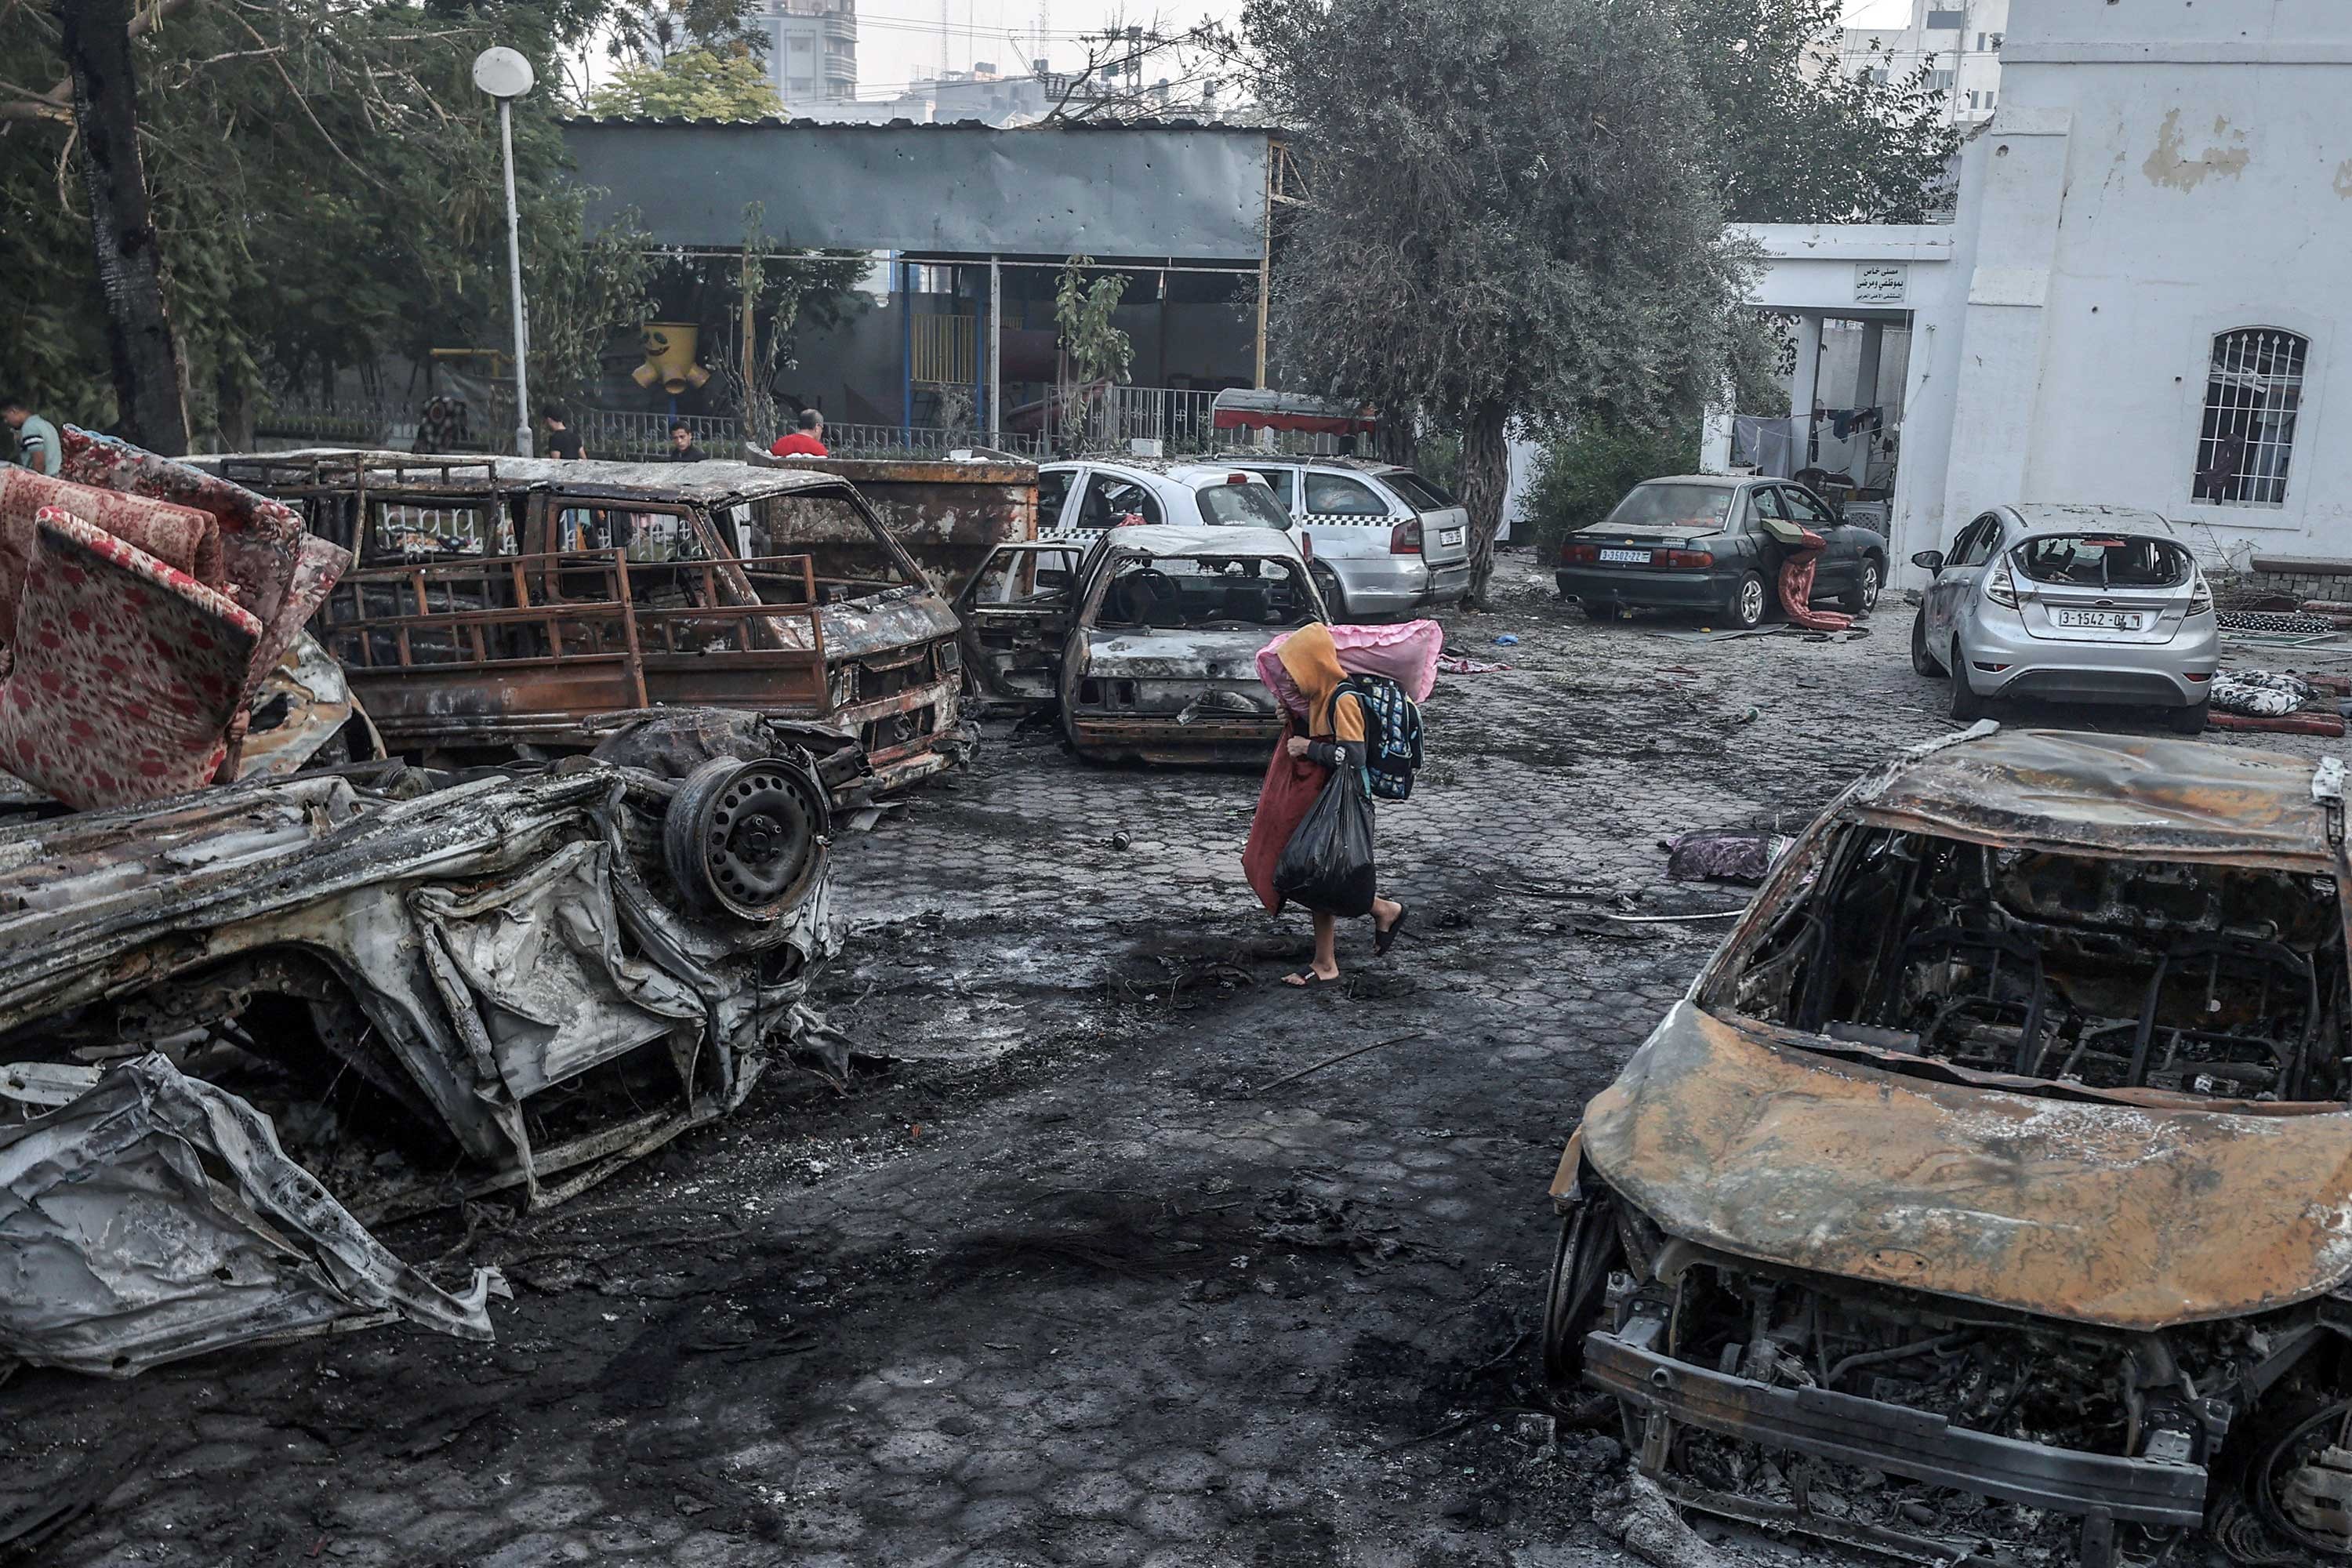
(1512, 213)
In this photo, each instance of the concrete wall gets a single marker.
(2155, 175)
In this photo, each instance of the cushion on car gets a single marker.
(128, 672)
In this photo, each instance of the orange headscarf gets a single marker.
(1313, 660)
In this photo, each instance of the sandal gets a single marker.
(1380, 939)
(1307, 980)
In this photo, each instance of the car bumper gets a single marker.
(2176, 673)
(1917, 1443)
(1387, 585)
(1645, 589)
(1167, 741)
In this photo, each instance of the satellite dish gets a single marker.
(503, 73)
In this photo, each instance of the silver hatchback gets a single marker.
(2070, 604)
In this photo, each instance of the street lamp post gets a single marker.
(506, 76)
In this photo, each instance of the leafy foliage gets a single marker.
(691, 84)
(328, 194)
(771, 284)
(1511, 213)
(1093, 349)
(1798, 143)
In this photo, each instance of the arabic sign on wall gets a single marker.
(1880, 283)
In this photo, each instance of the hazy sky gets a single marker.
(899, 41)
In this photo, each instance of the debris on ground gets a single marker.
(2279, 701)
(1639, 1514)
(1742, 858)
(1453, 664)
(157, 1218)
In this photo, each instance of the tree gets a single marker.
(1798, 143)
(1092, 349)
(327, 194)
(772, 282)
(1511, 213)
(691, 84)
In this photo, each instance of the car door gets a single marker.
(1016, 613)
(1840, 561)
(1955, 586)
(1343, 515)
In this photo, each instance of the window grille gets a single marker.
(2253, 392)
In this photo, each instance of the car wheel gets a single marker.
(1863, 597)
(1922, 662)
(1326, 582)
(1589, 1251)
(1745, 607)
(1967, 706)
(2189, 720)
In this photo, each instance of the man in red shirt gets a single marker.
(808, 441)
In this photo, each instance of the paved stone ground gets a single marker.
(1057, 1280)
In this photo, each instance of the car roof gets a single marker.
(2072, 517)
(2108, 795)
(1714, 479)
(1222, 461)
(1161, 539)
(716, 481)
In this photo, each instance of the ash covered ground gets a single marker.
(1059, 1279)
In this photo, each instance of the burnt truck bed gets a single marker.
(510, 605)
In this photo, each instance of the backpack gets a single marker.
(1391, 734)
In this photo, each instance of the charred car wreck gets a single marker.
(440, 987)
(1994, 1181)
(506, 606)
(1146, 642)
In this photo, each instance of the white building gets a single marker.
(1958, 42)
(2150, 276)
(811, 51)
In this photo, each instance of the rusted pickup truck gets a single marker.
(502, 603)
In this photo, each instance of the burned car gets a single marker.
(431, 987)
(1993, 1182)
(1146, 642)
(508, 607)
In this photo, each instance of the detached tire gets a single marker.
(1745, 609)
(1967, 706)
(2190, 720)
(1922, 662)
(1587, 1252)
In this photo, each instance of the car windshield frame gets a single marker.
(1620, 518)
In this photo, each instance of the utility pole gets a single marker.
(506, 76)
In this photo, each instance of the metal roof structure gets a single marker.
(1175, 191)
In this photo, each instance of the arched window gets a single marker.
(2251, 394)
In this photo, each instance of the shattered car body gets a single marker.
(506, 605)
(1146, 645)
(2003, 1150)
(518, 980)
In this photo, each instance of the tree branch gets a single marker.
(57, 104)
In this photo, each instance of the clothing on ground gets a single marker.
(1797, 588)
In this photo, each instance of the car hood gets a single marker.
(2130, 1216)
(1206, 653)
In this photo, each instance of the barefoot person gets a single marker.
(1334, 737)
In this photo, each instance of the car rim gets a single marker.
(1869, 587)
(1751, 602)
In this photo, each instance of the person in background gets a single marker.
(440, 427)
(562, 441)
(682, 448)
(38, 446)
(808, 441)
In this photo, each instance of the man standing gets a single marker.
(808, 441)
(682, 448)
(562, 441)
(38, 446)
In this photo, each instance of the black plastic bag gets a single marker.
(1328, 864)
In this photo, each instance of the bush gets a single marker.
(1583, 474)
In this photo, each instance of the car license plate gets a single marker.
(1630, 557)
(2101, 620)
(1450, 536)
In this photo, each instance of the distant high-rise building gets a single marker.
(1958, 41)
(812, 50)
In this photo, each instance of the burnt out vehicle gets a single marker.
(1993, 1182)
(517, 605)
(1145, 642)
(238, 1010)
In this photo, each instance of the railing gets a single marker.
(624, 436)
